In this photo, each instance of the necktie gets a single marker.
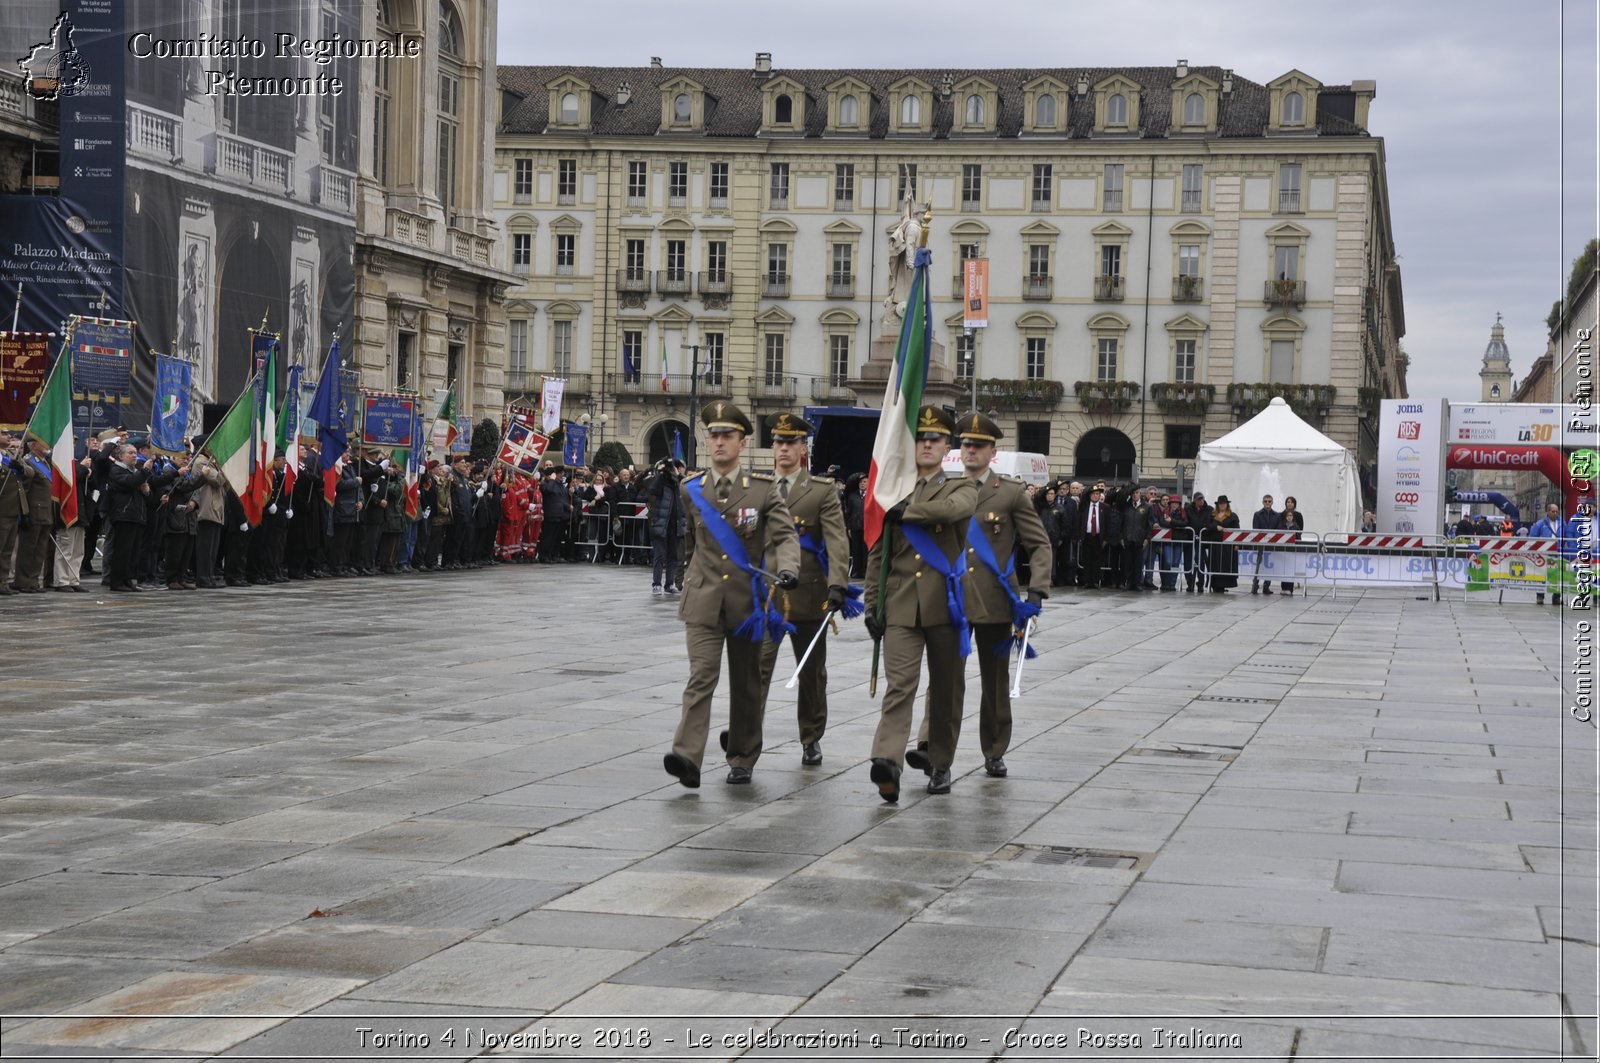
(783, 488)
(723, 488)
(1094, 517)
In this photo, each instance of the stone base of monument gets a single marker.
(942, 388)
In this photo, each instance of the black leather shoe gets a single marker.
(918, 758)
(886, 776)
(995, 766)
(940, 782)
(738, 776)
(681, 766)
(722, 740)
(811, 755)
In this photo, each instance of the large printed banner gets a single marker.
(102, 356)
(387, 419)
(24, 360)
(169, 420)
(975, 293)
(522, 448)
(1411, 465)
(463, 441)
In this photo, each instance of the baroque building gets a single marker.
(1168, 247)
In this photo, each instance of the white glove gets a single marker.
(244, 526)
(372, 489)
(384, 464)
(273, 508)
(427, 513)
(482, 489)
(289, 513)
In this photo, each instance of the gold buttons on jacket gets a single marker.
(724, 577)
(724, 557)
(917, 556)
(919, 573)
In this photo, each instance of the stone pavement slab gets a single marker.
(1398, 824)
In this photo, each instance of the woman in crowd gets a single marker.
(1224, 557)
(1291, 519)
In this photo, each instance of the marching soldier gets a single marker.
(994, 601)
(33, 549)
(813, 502)
(739, 529)
(13, 504)
(925, 539)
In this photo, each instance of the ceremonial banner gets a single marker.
(522, 448)
(462, 443)
(102, 356)
(554, 387)
(331, 413)
(261, 345)
(387, 418)
(289, 430)
(51, 424)
(575, 444)
(517, 412)
(24, 361)
(169, 419)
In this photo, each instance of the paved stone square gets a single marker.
(428, 817)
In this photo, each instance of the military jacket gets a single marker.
(1006, 514)
(818, 515)
(916, 593)
(715, 590)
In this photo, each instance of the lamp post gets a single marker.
(694, 399)
(972, 345)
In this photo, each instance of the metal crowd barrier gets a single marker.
(1540, 553)
(1346, 556)
(592, 527)
(630, 532)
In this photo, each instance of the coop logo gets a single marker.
(1407, 498)
(1409, 407)
(1409, 430)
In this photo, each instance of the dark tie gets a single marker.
(723, 488)
(783, 489)
(1094, 517)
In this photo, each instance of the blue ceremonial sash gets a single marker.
(923, 542)
(818, 549)
(42, 467)
(1022, 610)
(763, 621)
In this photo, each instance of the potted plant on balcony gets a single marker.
(1106, 396)
(1369, 400)
(1183, 400)
(1010, 394)
(1188, 288)
(1284, 291)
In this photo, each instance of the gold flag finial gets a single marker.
(263, 327)
(927, 219)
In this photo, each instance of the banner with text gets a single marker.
(24, 360)
(387, 418)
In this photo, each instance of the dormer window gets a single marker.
(849, 112)
(1294, 109)
(682, 108)
(974, 110)
(1117, 110)
(911, 111)
(783, 110)
(1044, 111)
(569, 108)
(1194, 109)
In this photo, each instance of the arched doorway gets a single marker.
(670, 439)
(1105, 453)
(254, 280)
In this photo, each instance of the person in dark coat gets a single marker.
(347, 507)
(1093, 537)
(180, 516)
(304, 549)
(1264, 519)
(1290, 520)
(458, 542)
(557, 517)
(1198, 516)
(375, 473)
(666, 530)
(129, 485)
(1115, 509)
(1222, 559)
(1135, 530)
(854, 502)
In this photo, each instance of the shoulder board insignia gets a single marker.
(1009, 479)
(694, 476)
(761, 477)
(823, 480)
(937, 480)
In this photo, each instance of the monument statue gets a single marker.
(904, 239)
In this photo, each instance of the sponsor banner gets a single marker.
(1323, 570)
(1411, 465)
(387, 418)
(169, 418)
(102, 356)
(24, 362)
(975, 293)
(1526, 423)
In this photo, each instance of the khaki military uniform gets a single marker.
(1006, 514)
(917, 618)
(716, 600)
(814, 504)
(13, 504)
(33, 547)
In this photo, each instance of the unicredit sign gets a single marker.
(1498, 457)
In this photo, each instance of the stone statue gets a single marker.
(904, 240)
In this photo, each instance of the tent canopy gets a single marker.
(1276, 453)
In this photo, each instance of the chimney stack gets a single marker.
(1083, 84)
(1365, 91)
(1183, 68)
(763, 64)
(655, 62)
(624, 93)
(1227, 82)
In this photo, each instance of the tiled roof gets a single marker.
(733, 99)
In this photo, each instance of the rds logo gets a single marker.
(1407, 498)
(1409, 430)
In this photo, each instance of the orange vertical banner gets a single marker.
(975, 293)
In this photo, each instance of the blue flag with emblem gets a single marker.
(764, 621)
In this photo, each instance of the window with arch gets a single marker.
(569, 107)
(450, 36)
(383, 97)
(974, 111)
(1294, 109)
(1194, 109)
(682, 108)
(783, 110)
(1044, 111)
(910, 111)
(1117, 110)
(849, 112)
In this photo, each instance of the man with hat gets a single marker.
(918, 606)
(13, 505)
(813, 502)
(1092, 536)
(738, 532)
(995, 603)
(33, 549)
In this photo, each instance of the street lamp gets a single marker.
(694, 399)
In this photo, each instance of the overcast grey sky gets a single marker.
(1476, 101)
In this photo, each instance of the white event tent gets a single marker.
(1276, 453)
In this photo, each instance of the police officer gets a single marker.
(924, 538)
(738, 527)
(813, 502)
(995, 602)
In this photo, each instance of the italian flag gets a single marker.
(664, 367)
(444, 422)
(247, 432)
(893, 475)
(289, 434)
(51, 425)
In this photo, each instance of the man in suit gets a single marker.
(738, 528)
(129, 486)
(813, 502)
(916, 607)
(995, 602)
(1092, 551)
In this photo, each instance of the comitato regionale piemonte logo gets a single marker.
(54, 67)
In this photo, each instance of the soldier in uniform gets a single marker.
(738, 528)
(813, 502)
(33, 551)
(922, 610)
(995, 604)
(13, 504)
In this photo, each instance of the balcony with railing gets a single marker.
(248, 162)
(1288, 201)
(335, 189)
(672, 281)
(1038, 288)
(840, 286)
(1108, 288)
(530, 381)
(155, 134)
(1003, 394)
(1284, 292)
(408, 228)
(633, 281)
(1187, 288)
(645, 386)
(470, 247)
(19, 109)
(772, 387)
(775, 286)
(824, 389)
(715, 282)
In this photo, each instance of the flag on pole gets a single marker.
(265, 439)
(663, 365)
(445, 429)
(51, 424)
(289, 430)
(231, 444)
(414, 459)
(329, 408)
(893, 474)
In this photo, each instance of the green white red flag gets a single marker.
(51, 424)
(893, 474)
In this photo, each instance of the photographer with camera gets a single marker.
(667, 517)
